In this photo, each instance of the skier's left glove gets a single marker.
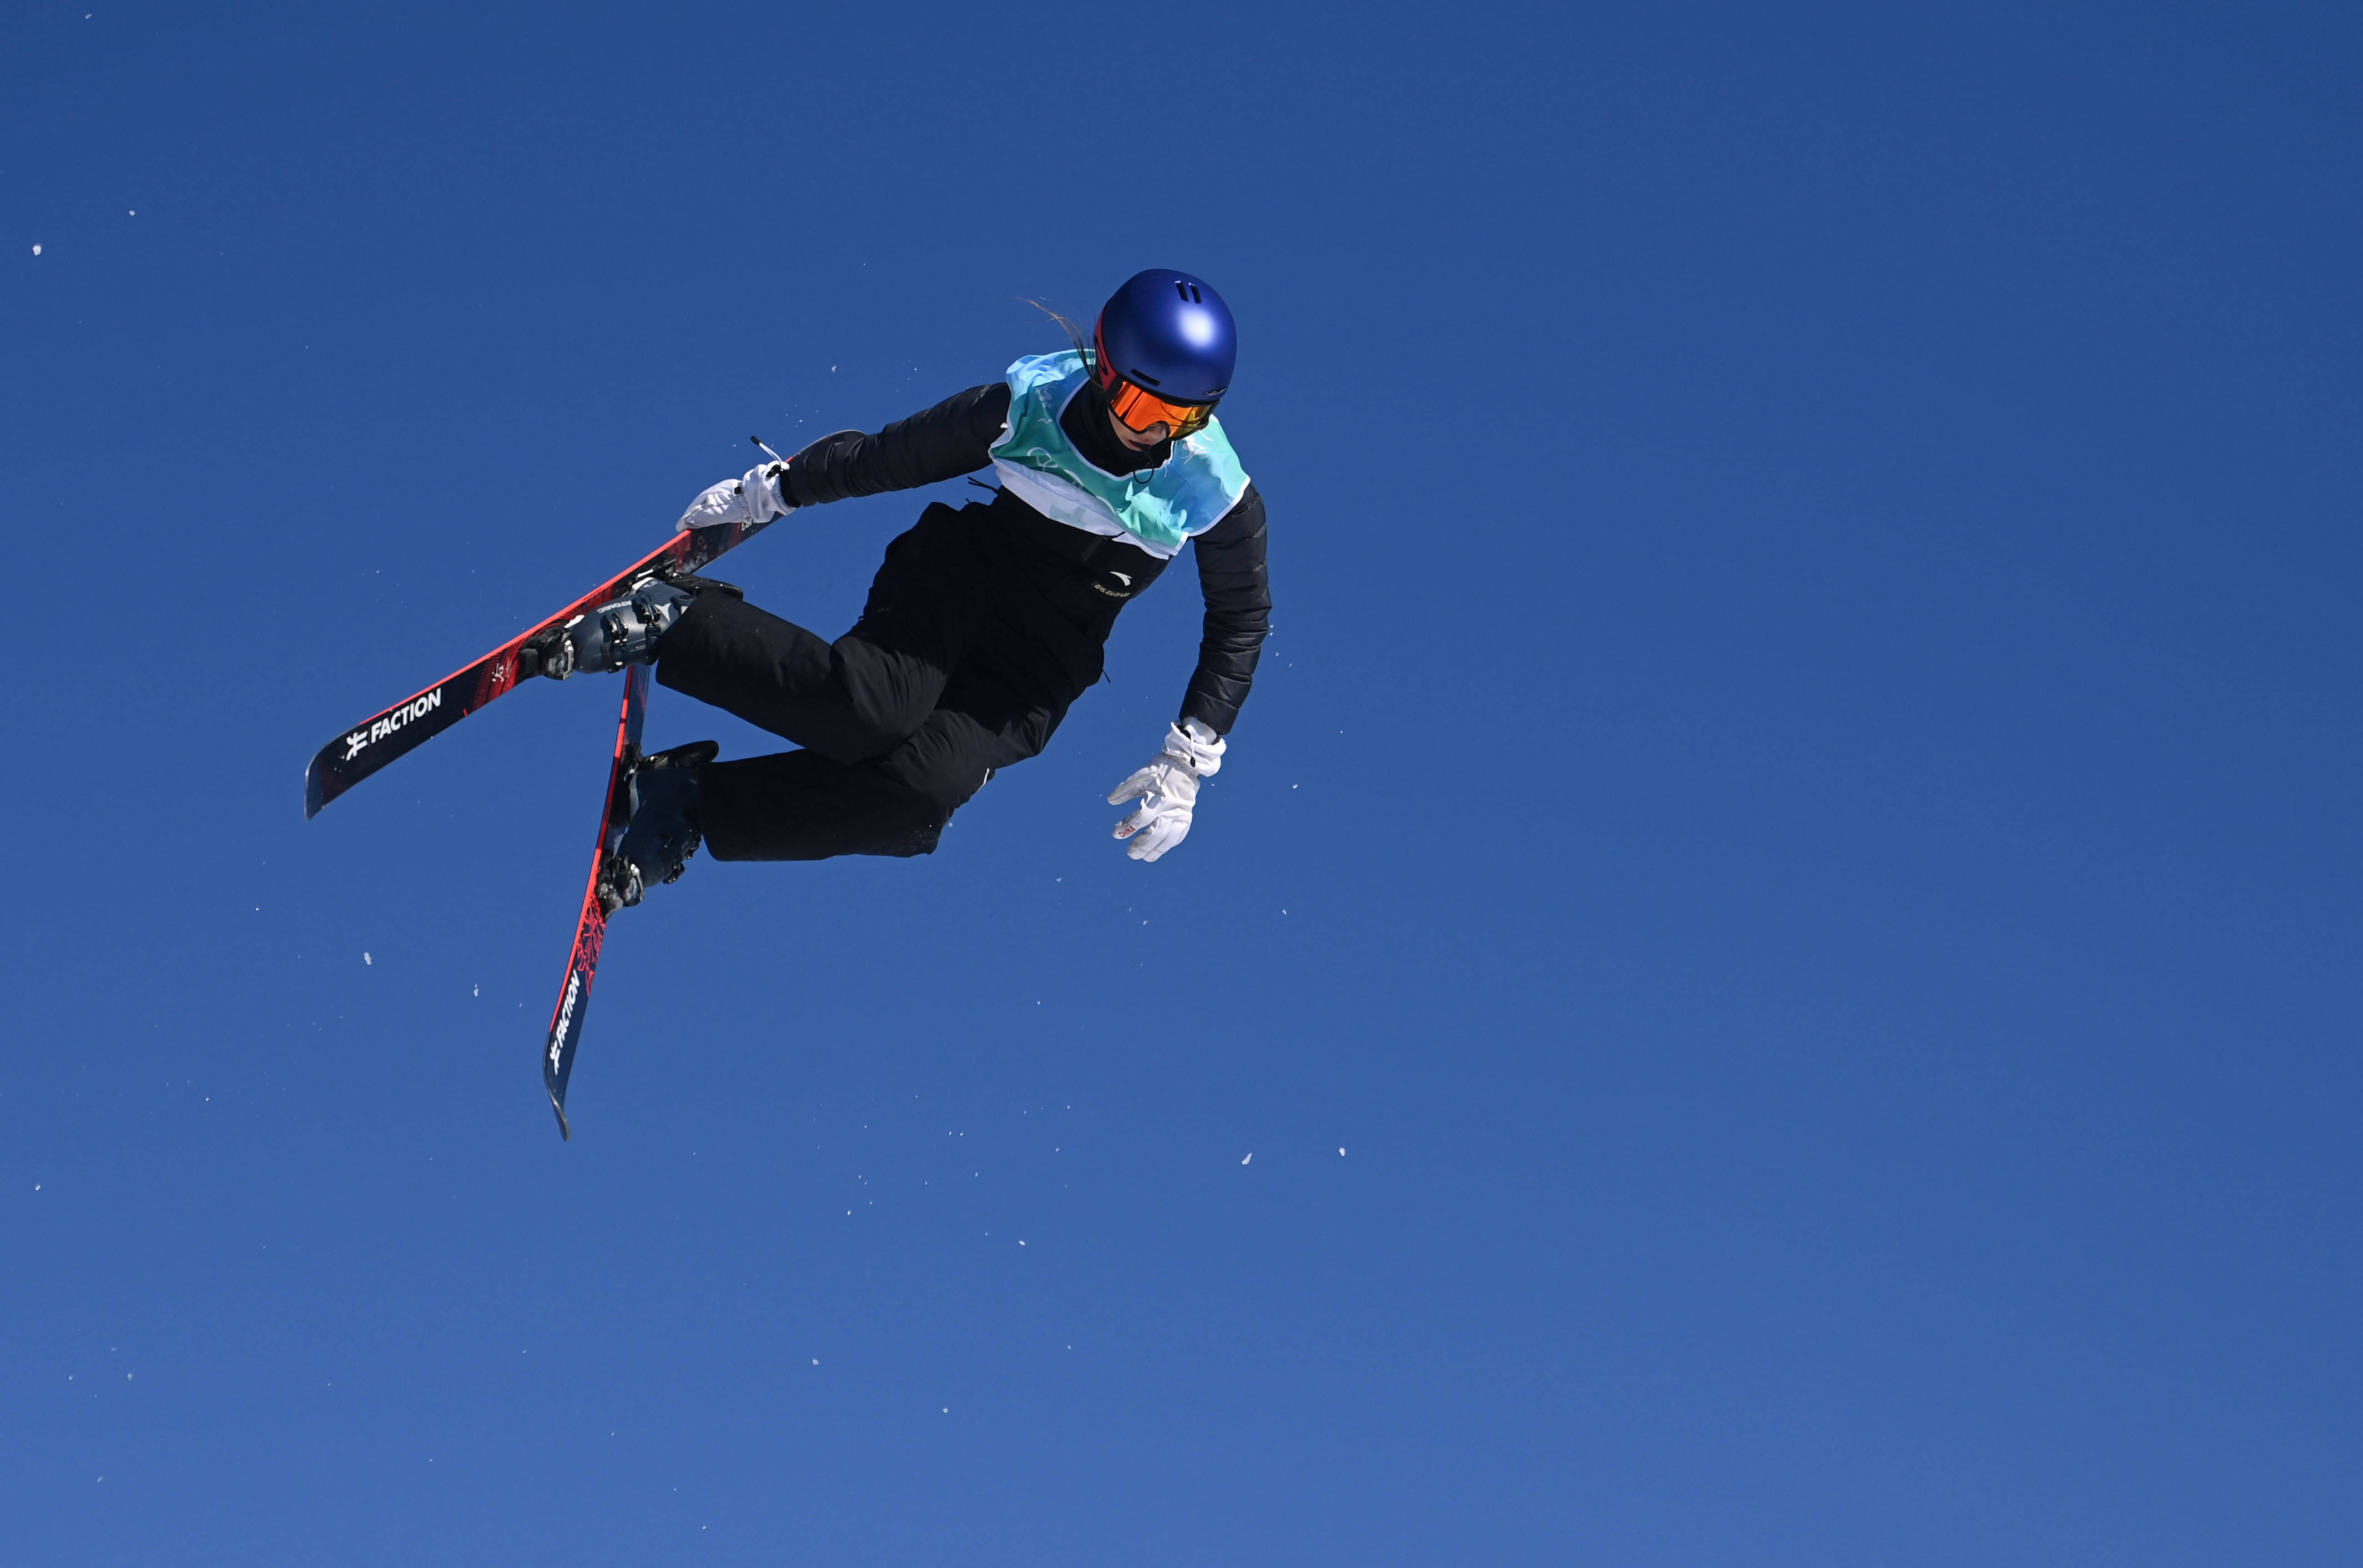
(1168, 790)
(755, 497)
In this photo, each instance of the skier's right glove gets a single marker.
(755, 497)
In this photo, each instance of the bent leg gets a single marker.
(848, 700)
(861, 695)
(799, 805)
(984, 725)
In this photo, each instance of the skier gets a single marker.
(985, 621)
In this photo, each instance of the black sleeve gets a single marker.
(953, 438)
(1239, 614)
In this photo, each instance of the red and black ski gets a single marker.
(598, 900)
(409, 724)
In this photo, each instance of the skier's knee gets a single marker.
(945, 760)
(886, 699)
(861, 735)
(940, 783)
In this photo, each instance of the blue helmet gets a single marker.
(1169, 333)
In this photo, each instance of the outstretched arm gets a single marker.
(1239, 614)
(1238, 618)
(953, 438)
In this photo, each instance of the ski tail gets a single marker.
(590, 924)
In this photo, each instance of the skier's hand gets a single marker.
(1168, 790)
(756, 496)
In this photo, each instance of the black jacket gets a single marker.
(1088, 578)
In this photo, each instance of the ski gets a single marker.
(369, 745)
(599, 900)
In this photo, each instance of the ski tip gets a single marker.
(315, 793)
(565, 1133)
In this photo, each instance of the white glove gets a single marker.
(756, 496)
(1168, 790)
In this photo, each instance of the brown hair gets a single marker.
(1074, 333)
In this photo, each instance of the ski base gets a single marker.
(590, 924)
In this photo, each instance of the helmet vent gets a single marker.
(1146, 379)
(1187, 291)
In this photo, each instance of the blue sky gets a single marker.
(1796, 830)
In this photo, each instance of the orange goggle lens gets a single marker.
(1140, 410)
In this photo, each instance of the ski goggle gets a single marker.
(1139, 409)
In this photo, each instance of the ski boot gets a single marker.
(615, 634)
(662, 834)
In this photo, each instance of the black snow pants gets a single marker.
(960, 665)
